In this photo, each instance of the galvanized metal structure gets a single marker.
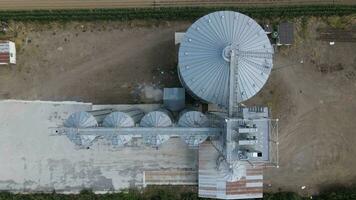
(152, 136)
(121, 119)
(225, 51)
(81, 120)
(127, 118)
(118, 127)
(193, 119)
(101, 114)
(224, 58)
(174, 98)
(157, 118)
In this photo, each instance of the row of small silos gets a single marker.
(129, 118)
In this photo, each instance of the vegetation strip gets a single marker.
(175, 193)
(182, 13)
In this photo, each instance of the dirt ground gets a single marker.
(100, 63)
(312, 89)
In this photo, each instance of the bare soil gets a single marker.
(312, 89)
(94, 62)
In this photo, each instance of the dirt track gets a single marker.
(68, 4)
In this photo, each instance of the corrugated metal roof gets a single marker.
(193, 119)
(204, 57)
(81, 120)
(286, 33)
(4, 53)
(4, 58)
(215, 184)
(4, 47)
(158, 118)
(118, 119)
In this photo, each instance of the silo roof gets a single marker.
(81, 120)
(118, 119)
(205, 54)
(193, 119)
(156, 119)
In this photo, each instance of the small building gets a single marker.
(174, 98)
(7, 53)
(285, 33)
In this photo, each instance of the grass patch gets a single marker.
(304, 25)
(338, 22)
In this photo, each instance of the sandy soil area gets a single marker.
(312, 88)
(312, 91)
(70, 4)
(100, 63)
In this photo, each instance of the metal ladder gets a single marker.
(233, 85)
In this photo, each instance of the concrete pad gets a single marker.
(31, 159)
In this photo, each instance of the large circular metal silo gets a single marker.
(205, 57)
(191, 118)
(127, 118)
(157, 118)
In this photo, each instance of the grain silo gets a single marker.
(81, 120)
(127, 118)
(220, 47)
(157, 118)
(191, 118)
(224, 58)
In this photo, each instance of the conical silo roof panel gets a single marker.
(205, 55)
(118, 119)
(81, 120)
(194, 119)
(158, 118)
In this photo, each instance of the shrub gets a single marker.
(339, 193)
(282, 196)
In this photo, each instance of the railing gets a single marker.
(273, 144)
